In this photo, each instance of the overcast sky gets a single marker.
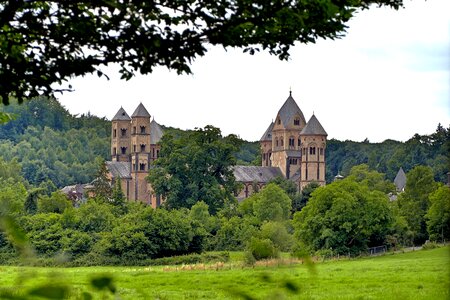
(388, 78)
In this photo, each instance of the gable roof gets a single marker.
(156, 132)
(400, 180)
(313, 127)
(121, 115)
(255, 173)
(289, 110)
(120, 169)
(267, 136)
(141, 111)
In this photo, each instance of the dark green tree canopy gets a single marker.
(194, 167)
(47, 42)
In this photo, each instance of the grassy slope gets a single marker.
(414, 275)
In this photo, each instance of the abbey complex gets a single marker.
(290, 147)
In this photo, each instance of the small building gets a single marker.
(400, 180)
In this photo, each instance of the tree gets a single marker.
(272, 204)
(102, 184)
(344, 216)
(118, 197)
(414, 202)
(196, 167)
(48, 42)
(438, 215)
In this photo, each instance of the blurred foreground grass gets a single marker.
(414, 275)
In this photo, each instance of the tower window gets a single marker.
(142, 129)
(276, 142)
(114, 151)
(297, 122)
(114, 132)
(142, 147)
(291, 142)
(134, 129)
(312, 150)
(142, 167)
(134, 148)
(123, 132)
(157, 153)
(279, 121)
(299, 142)
(282, 142)
(123, 150)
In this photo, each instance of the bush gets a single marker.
(430, 245)
(262, 248)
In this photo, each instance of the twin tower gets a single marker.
(134, 147)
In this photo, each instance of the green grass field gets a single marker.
(415, 275)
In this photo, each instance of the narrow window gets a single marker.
(134, 148)
(123, 132)
(157, 153)
(134, 166)
(297, 122)
(134, 129)
(299, 143)
(142, 167)
(321, 151)
(282, 142)
(142, 129)
(142, 147)
(114, 151)
(114, 132)
(276, 142)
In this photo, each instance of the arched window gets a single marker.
(312, 150)
(282, 142)
(123, 150)
(291, 142)
(114, 132)
(276, 142)
(299, 142)
(297, 121)
(142, 167)
(321, 151)
(123, 132)
(142, 147)
(114, 151)
(142, 129)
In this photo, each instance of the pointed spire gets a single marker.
(141, 111)
(121, 115)
(313, 127)
(290, 92)
(267, 136)
(289, 110)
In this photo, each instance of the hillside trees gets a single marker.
(343, 217)
(438, 215)
(414, 202)
(196, 167)
(46, 42)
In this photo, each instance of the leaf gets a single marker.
(50, 292)
(104, 282)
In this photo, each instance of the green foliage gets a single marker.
(56, 203)
(262, 248)
(234, 233)
(13, 195)
(51, 145)
(278, 234)
(271, 204)
(438, 215)
(102, 184)
(117, 196)
(196, 167)
(414, 202)
(344, 216)
(372, 179)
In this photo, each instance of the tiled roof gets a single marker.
(313, 127)
(156, 132)
(289, 110)
(255, 173)
(121, 115)
(400, 180)
(141, 111)
(267, 136)
(119, 169)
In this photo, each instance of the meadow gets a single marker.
(414, 275)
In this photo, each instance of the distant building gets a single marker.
(290, 147)
(400, 180)
(134, 147)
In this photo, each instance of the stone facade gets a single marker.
(294, 146)
(134, 147)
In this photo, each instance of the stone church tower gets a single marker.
(295, 146)
(134, 147)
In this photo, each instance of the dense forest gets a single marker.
(50, 144)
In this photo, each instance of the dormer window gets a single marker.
(297, 122)
(279, 121)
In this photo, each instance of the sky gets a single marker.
(388, 78)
